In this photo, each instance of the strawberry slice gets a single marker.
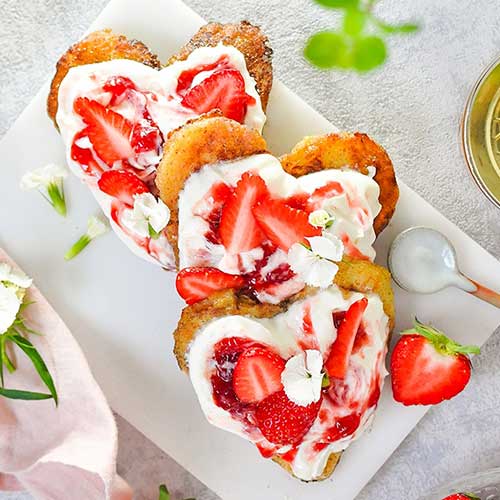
(186, 78)
(283, 422)
(239, 231)
(108, 131)
(223, 90)
(283, 224)
(338, 359)
(427, 367)
(257, 374)
(196, 283)
(122, 185)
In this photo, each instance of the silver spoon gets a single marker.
(423, 260)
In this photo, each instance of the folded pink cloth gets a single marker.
(60, 452)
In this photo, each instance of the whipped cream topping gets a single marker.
(154, 96)
(351, 203)
(347, 406)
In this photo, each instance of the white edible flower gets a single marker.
(320, 218)
(96, 227)
(43, 176)
(302, 377)
(148, 217)
(9, 306)
(316, 265)
(14, 276)
(49, 181)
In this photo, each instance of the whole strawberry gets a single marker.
(462, 496)
(427, 367)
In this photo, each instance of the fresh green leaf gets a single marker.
(5, 357)
(368, 53)
(39, 364)
(392, 29)
(354, 22)
(338, 4)
(440, 341)
(164, 494)
(2, 347)
(327, 49)
(26, 395)
(326, 380)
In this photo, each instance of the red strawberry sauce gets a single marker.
(210, 208)
(226, 354)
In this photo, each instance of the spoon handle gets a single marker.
(485, 294)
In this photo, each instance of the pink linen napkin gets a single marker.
(60, 452)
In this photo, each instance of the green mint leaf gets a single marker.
(338, 4)
(393, 29)
(29, 349)
(354, 22)
(26, 395)
(56, 195)
(327, 49)
(368, 53)
(164, 494)
(77, 247)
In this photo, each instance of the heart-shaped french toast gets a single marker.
(241, 218)
(300, 379)
(114, 107)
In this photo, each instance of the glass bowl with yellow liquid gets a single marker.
(480, 129)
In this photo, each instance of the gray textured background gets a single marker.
(412, 107)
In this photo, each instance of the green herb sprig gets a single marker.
(359, 44)
(16, 336)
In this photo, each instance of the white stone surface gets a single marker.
(412, 106)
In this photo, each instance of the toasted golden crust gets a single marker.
(208, 139)
(97, 47)
(357, 151)
(353, 275)
(330, 466)
(248, 39)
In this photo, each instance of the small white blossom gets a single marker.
(49, 182)
(43, 176)
(96, 227)
(148, 212)
(302, 377)
(14, 276)
(316, 265)
(320, 218)
(9, 306)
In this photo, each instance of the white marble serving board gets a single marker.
(122, 310)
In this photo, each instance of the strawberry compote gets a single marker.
(242, 217)
(115, 115)
(345, 407)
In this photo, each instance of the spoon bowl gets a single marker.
(423, 260)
